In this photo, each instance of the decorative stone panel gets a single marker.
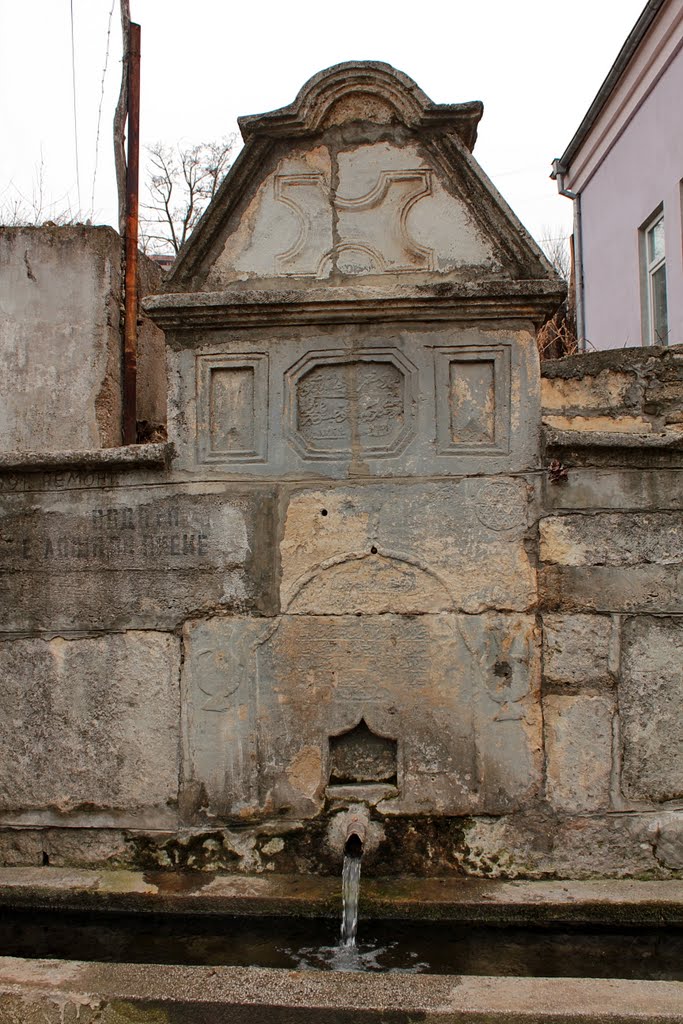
(232, 408)
(472, 399)
(457, 695)
(347, 401)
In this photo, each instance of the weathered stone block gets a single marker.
(651, 490)
(616, 425)
(650, 698)
(407, 548)
(576, 649)
(61, 293)
(89, 725)
(613, 538)
(60, 340)
(608, 389)
(266, 701)
(578, 746)
(603, 588)
(580, 846)
(667, 837)
(132, 557)
(21, 846)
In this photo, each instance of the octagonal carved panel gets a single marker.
(341, 404)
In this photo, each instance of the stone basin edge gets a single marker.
(625, 902)
(58, 990)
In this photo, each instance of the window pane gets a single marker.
(655, 241)
(660, 327)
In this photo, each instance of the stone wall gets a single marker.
(385, 563)
(60, 340)
(610, 573)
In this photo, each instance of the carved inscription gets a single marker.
(185, 532)
(349, 406)
(59, 480)
(372, 228)
(365, 662)
(92, 561)
(335, 402)
(108, 535)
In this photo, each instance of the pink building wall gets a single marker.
(643, 169)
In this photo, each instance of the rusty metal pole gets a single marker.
(130, 315)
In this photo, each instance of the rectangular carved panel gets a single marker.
(232, 408)
(473, 400)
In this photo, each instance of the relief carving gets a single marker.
(308, 197)
(501, 505)
(503, 658)
(371, 229)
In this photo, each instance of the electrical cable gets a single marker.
(73, 81)
(99, 112)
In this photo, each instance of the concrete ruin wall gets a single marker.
(384, 562)
(60, 340)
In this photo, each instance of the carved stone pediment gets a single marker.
(362, 181)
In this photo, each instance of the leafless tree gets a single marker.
(555, 244)
(557, 337)
(18, 209)
(119, 126)
(181, 182)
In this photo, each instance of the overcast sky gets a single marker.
(536, 64)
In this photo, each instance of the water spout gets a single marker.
(356, 831)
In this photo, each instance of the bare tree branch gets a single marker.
(555, 244)
(181, 183)
(120, 120)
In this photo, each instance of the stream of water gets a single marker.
(350, 893)
(652, 953)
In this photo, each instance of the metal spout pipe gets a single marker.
(356, 832)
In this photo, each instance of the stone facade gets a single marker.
(382, 565)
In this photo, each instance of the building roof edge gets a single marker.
(633, 41)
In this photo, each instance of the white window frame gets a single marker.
(648, 269)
